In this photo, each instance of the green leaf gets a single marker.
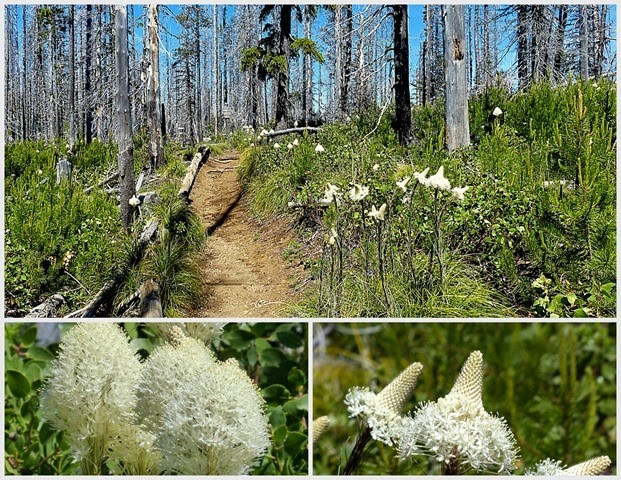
(271, 357)
(295, 443)
(18, 384)
(261, 344)
(296, 377)
(38, 353)
(278, 417)
(289, 339)
(29, 336)
(238, 339)
(32, 371)
(292, 407)
(143, 344)
(275, 393)
(279, 435)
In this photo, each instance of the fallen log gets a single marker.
(293, 130)
(105, 181)
(48, 308)
(150, 304)
(201, 157)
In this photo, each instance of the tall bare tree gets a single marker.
(156, 146)
(127, 185)
(403, 116)
(456, 92)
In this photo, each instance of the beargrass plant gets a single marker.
(455, 431)
(181, 411)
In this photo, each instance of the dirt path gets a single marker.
(244, 272)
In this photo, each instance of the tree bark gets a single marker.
(153, 90)
(403, 115)
(456, 91)
(282, 92)
(522, 53)
(124, 119)
(72, 75)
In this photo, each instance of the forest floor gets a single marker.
(243, 267)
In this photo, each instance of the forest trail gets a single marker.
(242, 267)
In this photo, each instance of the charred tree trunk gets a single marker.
(456, 91)
(522, 49)
(72, 133)
(403, 115)
(282, 93)
(124, 118)
(88, 113)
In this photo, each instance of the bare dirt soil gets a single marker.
(244, 272)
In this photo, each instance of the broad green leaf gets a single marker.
(18, 384)
(29, 336)
(275, 393)
(38, 353)
(296, 377)
(279, 435)
(278, 418)
(238, 339)
(271, 357)
(295, 443)
(289, 339)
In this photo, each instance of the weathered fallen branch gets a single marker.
(106, 292)
(150, 304)
(105, 181)
(192, 171)
(293, 130)
(47, 308)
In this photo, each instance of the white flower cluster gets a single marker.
(207, 416)
(182, 411)
(455, 429)
(90, 391)
(205, 331)
(549, 467)
(437, 181)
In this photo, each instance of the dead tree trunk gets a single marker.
(403, 116)
(196, 163)
(456, 91)
(127, 187)
(153, 89)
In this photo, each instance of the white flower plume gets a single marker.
(457, 430)
(358, 192)
(381, 412)
(320, 425)
(207, 416)
(439, 181)
(331, 194)
(403, 184)
(205, 331)
(549, 467)
(378, 214)
(422, 176)
(319, 148)
(91, 389)
(458, 192)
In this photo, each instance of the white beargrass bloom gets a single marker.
(402, 184)
(331, 194)
(422, 176)
(205, 331)
(135, 451)
(376, 167)
(319, 148)
(457, 430)
(378, 214)
(276, 145)
(264, 133)
(90, 392)
(439, 181)
(207, 416)
(497, 112)
(458, 192)
(296, 143)
(319, 427)
(289, 145)
(381, 412)
(333, 237)
(134, 201)
(549, 467)
(271, 132)
(358, 192)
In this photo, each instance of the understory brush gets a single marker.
(535, 196)
(61, 239)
